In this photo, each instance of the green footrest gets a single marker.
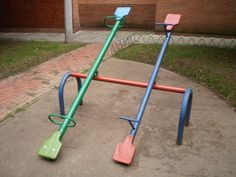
(51, 147)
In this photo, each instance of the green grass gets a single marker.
(213, 67)
(16, 57)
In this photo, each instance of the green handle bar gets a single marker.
(61, 117)
(107, 18)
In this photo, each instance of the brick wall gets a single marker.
(76, 19)
(205, 16)
(92, 12)
(31, 14)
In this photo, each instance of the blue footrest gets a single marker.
(129, 119)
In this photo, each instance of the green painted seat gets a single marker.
(51, 146)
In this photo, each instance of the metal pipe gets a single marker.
(61, 91)
(68, 20)
(151, 83)
(131, 83)
(184, 116)
(89, 78)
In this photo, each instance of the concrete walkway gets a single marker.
(122, 37)
(81, 36)
(208, 148)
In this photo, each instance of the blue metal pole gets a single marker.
(184, 116)
(61, 91)
(150, 85)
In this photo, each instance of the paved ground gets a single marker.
(24, 88)
(19, 90)
(80, 36)
(122, 37)
(209, 143)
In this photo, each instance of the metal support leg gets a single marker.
(61, 91)
(184, 116)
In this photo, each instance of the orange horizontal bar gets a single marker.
(131, 83)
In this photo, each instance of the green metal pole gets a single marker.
(88, 80)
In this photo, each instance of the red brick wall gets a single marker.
(31, 13)
(205, 16)
(93, 15)
(76, 21)
(142, 15)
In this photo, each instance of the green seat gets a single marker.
(51, 146)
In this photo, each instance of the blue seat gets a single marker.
(121, 12)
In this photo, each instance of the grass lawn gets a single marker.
(213, 67)
(16, 57)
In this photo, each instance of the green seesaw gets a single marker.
(51, 147)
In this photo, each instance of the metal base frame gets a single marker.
(185, 111)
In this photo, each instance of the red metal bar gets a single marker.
(131, 83)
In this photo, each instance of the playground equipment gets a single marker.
(124, 152)
(51, 147)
